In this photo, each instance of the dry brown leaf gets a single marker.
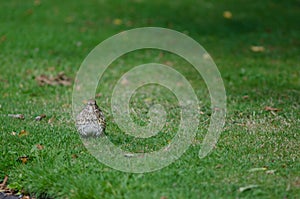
(2, 185)
(124, 81)
(59, 79)
(23, 133)
(17, 116)
(74, 156)
(37, 2)
(24, 159)
(98, 95)
(39, 147)
(40, 117)
(227, 14)
(117, 22)
(11, 193)
(246, 97)
(269, 108)
(169, 63)
(257, 48)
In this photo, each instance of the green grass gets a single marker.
(43, 39)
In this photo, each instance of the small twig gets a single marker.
(2, 185)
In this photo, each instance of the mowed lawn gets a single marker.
(256, 46)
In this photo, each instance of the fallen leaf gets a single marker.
(2, 185)
(39, 147)
(269, 108)
(23, 133)
(43, 80)
(242, 189)
(62, 79)
(227, 14)
(169, 63)
(40, 117)
(74, 156)
(59, 79)
(245, 97)
(17, 116)
(24, 159)
(98, 95)
(124, 81)
(257, 48)
(37, 2)
(12, 191)
(117, 22)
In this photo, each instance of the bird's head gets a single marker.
(91, 102)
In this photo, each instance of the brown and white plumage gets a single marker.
(90, 122)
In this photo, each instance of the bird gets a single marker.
(90, 122)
